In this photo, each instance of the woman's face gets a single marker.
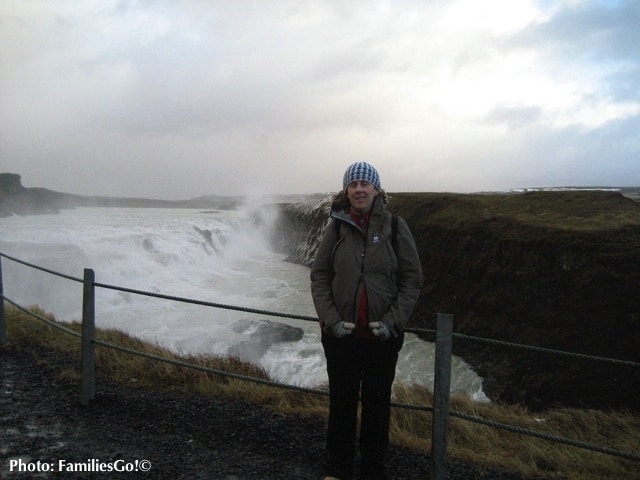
(361, 195)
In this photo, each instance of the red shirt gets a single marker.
(362, 316)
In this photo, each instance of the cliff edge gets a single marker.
(559, 270)
(15, 199)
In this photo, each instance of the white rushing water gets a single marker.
(214, 256)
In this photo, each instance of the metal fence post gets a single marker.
(3, 322)
(88, 362)
(441, 396)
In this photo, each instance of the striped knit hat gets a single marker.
(361, 171)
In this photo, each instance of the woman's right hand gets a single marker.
(341, 329)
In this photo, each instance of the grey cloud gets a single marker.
(624, 85)
(588, 33)
(606, 155)
(515, 117)
(589, 30)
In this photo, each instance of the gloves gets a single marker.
(341, 329)
(380, 330)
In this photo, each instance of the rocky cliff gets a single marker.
(15, 199)
(559, 270)
(18, 200)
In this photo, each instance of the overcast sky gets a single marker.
(176, 99)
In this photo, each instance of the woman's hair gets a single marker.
(341, 201)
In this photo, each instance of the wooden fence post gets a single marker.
(88, 362)
(441, 396)
(3, 322)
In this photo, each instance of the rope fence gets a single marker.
(440, 409)
(423, 331)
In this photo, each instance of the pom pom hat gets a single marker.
(361, 171)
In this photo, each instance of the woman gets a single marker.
(365, 281)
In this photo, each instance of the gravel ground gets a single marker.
(171, 436)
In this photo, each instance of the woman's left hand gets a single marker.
(380, 330)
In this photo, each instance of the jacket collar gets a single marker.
(362, 220)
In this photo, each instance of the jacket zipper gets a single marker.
(361, 280)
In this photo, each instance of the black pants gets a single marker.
(367, 367)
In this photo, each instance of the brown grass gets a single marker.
(569, 211)
(481, 445)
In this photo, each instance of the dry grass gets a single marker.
(481, 445)
(568, 211)
(533, 457)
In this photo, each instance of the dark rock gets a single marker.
(10, 184)
(506, 277)
(261, 335)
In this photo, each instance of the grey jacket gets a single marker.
(347, 262)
